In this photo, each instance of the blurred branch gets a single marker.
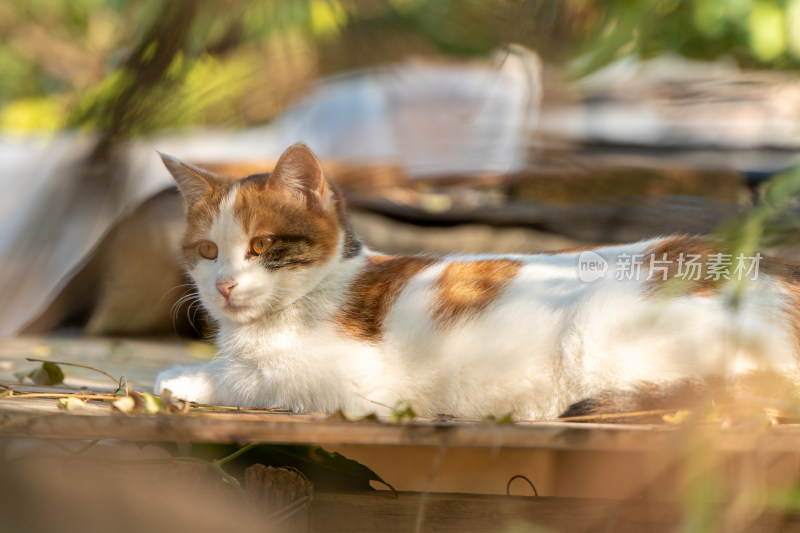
(125, 104)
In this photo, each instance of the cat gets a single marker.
(308, 319)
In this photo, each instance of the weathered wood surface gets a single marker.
(383, 511)
(412, 511)
(41, 418)
(336, 512)
(140, 361)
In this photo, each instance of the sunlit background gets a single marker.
(543, 124)
(134, 68)
(451, 126)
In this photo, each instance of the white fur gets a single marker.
(548, 341)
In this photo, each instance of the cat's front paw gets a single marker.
(190, 384)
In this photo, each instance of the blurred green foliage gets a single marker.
(757, 33)
(129, 67)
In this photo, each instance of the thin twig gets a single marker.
(234, 455)
(210, 407)
(109, 376)
(85, 448)
(520, 476)
(375, 402)
(606, 416)
(55, 395)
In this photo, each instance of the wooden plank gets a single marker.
(32, 418)
(39, 418)
(410, 511)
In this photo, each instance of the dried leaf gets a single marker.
(70, 403)
(126, 404)
(166, 396)
(139, 402)
(678, 418)
(172, 404)
(122, 390)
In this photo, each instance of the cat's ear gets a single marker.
(299, 173)
(193, 182)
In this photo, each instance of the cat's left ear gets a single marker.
(193, 182)
(299, 173)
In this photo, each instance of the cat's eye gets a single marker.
(259, 245)
(207, 250)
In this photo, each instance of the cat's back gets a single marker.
(612, 315)
(442, 293)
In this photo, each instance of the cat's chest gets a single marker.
(298, 348)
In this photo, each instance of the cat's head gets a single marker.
(258, 244)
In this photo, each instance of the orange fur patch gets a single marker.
(466, 289)
(574, 250)
(673, 252)
(374, 291)
(303, 236)
(199, 217)
(310, 236)
(787, 274)
(295, 204)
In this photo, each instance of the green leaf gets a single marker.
(324, 467)
(328, 471)
(783, 188)
(507, 418)
(47, 374)
(152, 405)
(402, 413)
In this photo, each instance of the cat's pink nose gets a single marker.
(225, 288)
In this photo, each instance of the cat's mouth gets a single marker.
(239, 313)
(234, 308)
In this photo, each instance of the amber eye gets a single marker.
(259, 245)
(207, 249)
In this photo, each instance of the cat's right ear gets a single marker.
(193, 182)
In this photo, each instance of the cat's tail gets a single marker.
(740, 395)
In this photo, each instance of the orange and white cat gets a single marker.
(312, 321)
